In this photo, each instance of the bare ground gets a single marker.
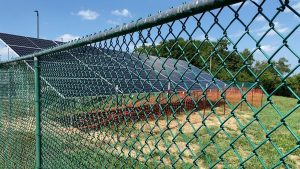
(166, 148)
(145, 141)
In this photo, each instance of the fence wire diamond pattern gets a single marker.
(165, 93)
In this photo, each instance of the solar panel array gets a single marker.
(183, 75)
(77, 73)
(26, 45)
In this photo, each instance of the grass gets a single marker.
(17, 149)
(185, 140)
(210, 142)
(17, 137)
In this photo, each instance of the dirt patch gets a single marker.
(189, 123)
(184, 149)
(162, 149)
(219, 166)
(144, 139)
(296, 159)
(156, 126)
(19, 124)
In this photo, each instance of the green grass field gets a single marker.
(173, 141)
(181, 140)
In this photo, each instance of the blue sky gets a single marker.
(74, 17)
(68, 19)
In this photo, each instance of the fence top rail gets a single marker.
(198, 6)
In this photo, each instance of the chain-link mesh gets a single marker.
(17, 120)
(157, 97)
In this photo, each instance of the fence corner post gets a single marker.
(37, 113)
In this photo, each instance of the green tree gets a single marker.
(210, 56)
(294, 83)
(216, 58)
(270, 74)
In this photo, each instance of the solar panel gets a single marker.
(76, 74)
(42, 43)
(15, 40)
(22, 51)
(182, 73)
(26, 45)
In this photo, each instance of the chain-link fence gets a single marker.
(151, 94)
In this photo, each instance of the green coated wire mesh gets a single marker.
(156, 97)
(17, 117)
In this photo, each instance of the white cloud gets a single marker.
(245, 3)
(277, 26)
(202, 37)
(122, 12)
(268, 48)
(88, 14)
(237, 34)
(239, 4)
(112, 22)
(280, 28)
(260, 18)
(66, 37)
(295, 6)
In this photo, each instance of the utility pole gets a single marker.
(37, 23)
(37, 91)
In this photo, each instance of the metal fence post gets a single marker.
(37, 113)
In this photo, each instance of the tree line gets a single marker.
(216, 58)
